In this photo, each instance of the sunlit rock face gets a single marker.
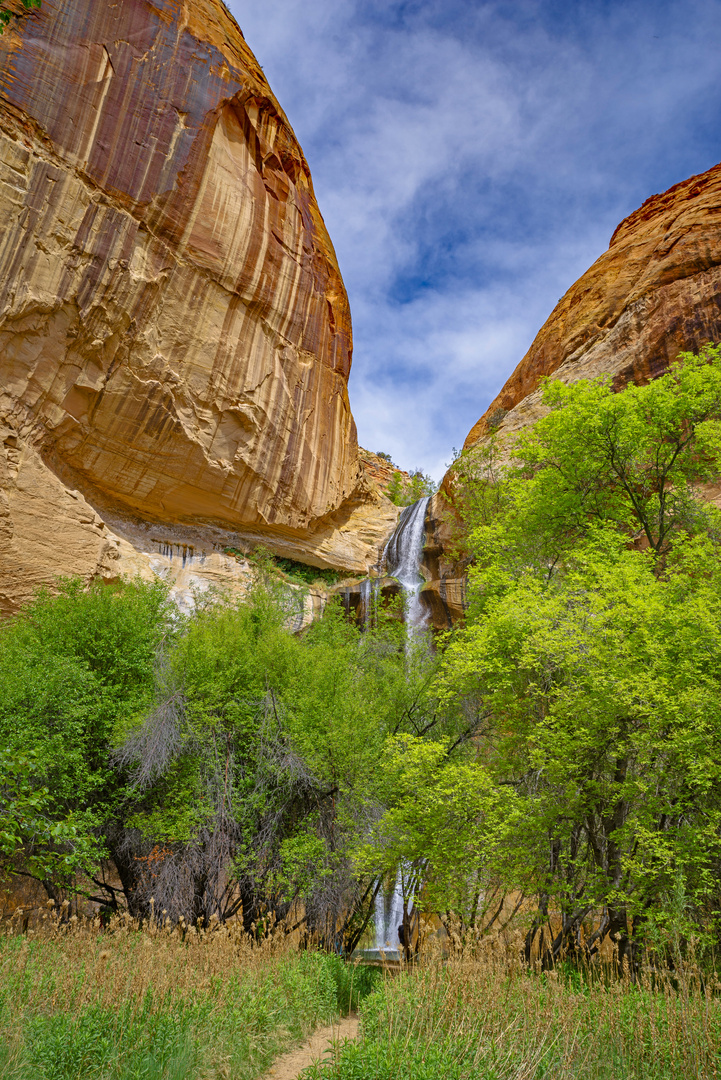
(654, 293)
(175, 338)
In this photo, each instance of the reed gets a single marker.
(158, 1002)
(482, 1015)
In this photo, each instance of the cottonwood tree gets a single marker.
(632, 461)
(603, 687)
(593, 641)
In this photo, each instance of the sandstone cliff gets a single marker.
(379, 470)
(175, 338)
(655, 292)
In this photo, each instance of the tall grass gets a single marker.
(80, 1003)
(164, 1003)
(484, 1016)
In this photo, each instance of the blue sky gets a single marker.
(471, 160)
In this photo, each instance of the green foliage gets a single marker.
(353, 982)
(384, 457)
(394, 1059)
(443, 812)
(29, 831)
(74, 668)
(264, 746)
(297, 572)
(7, 14)
(593, 644)
(405, 492)
(218, 759)
(602, 687)
(630, 461)
(304, 574)
(478, 492)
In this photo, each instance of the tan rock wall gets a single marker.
(175, 338)
(380, 471)
(655, 292)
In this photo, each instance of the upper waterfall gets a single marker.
(403, 559)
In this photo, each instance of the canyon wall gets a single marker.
(654, 293)
(175, 337)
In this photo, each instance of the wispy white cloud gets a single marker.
(471, 160)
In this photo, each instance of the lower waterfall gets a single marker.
(389, 916)
(402, 558)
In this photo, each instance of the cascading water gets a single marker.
(389, 916)
(365, 592)
(403, 559)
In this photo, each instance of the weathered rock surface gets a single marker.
(379, 470)
(445, 591)
(655, 292)
(175, 338)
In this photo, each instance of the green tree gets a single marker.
(11, 11)
(439, 826)
(404, 493)
(592, 641)
(602, 686)
(631, 461)
(256, 770)
(74, 669)
(31, 835)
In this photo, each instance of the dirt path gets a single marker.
(292, 1064)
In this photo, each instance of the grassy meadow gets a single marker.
(481, 1017)
(78, 1003)
(130, 1003)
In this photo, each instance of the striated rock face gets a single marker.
(655, 292)
(175, 337)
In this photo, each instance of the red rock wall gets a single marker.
(173, 322)
(654, 293)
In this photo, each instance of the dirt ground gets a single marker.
(292, 1064)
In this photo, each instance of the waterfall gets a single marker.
(365, 592)
(403, 557)
(389, 916)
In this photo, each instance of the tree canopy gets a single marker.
(593, 643)
(557, 757)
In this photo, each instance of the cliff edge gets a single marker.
(654, 293)
(175, 336)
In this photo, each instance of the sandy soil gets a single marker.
(292, 1064)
